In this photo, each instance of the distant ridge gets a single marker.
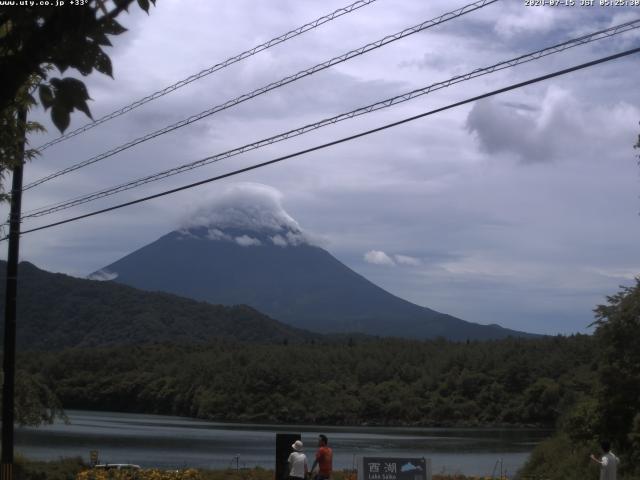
(57, 311)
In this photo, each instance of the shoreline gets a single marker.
(251, 424)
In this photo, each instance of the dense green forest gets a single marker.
(386, 382)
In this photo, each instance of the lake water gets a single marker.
(176, 442)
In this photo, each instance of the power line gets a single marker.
(292, 78)
(341, 140)
(46, 210)
(208, 71)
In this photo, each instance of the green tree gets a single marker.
(35, 403)
(611, 409)
(541, 401)
(11, 134)
(618, 337)
(36, 40)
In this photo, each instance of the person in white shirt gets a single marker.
(608, 463)
(298, 468)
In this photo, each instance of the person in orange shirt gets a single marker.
(324, 459)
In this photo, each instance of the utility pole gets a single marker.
(9, 362)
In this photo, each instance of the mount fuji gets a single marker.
(246, 249)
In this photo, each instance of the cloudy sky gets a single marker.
(521, 209)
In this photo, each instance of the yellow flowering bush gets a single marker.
(145, 474)
(191, 474)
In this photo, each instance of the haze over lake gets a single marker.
(170, 442)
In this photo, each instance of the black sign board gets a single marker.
(385, 468)
(283, 449)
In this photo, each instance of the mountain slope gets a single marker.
(275, 270)
(57, 311)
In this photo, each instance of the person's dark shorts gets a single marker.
(321, 477)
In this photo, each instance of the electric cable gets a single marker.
(339, 141)
(267, 88)
(46, 210)
(208, 71)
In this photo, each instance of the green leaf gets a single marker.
(144, 5)
(85, 60)
(103, 63)
(68, 94)
(123, 3)
(30, 100)
(55, 83)
(101, 39)
(83, 107)
(79, 89)
(60, 116)
(46, 96)
(70, 88)
(61, 65)
(112, 27)
(74, 94)
(35, 127)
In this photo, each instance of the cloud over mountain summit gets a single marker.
(248, 214)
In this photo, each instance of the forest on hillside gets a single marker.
(57, 311)
(355, 382)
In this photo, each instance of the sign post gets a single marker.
(283, 449)
(394, 468)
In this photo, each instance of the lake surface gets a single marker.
(176, 442)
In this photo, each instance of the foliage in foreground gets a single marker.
(611, 410)
(33, 40)
(35, 37)
(35, 402)
(76, 469)
(559, 458)
(63, 469)
(192, 474)
(146, 474)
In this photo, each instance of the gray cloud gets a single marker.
(378, 257)
(502, 128)
(247, 241)
(407, 260)
(244, 206)
(103, 275)
(558, 127)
